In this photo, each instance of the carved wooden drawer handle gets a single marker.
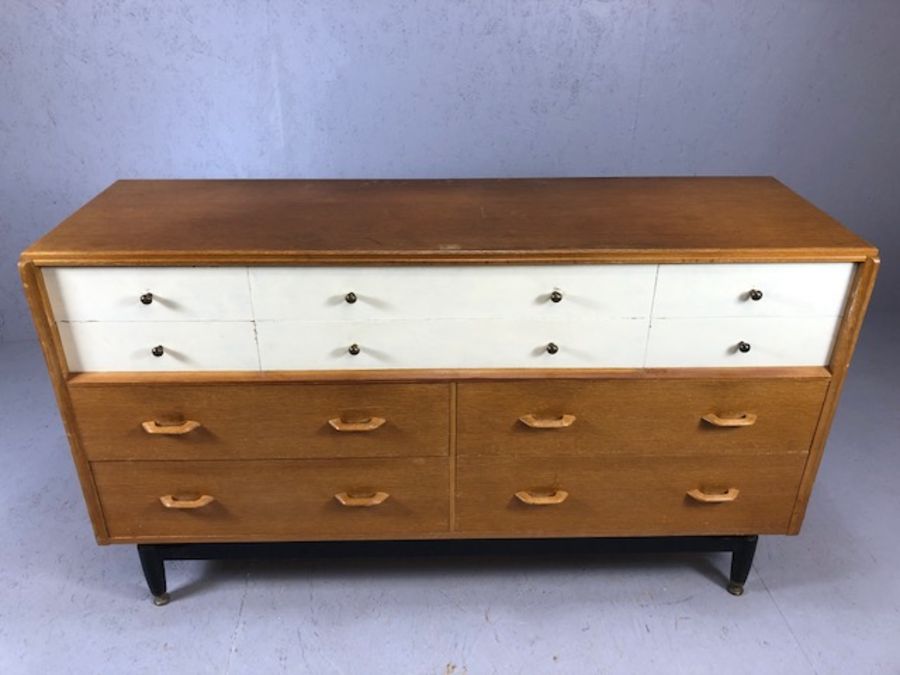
(373, 499)
(742, 420)
(172, 502)
(715, 497)
(154, 427)
(547, 422)
(370, 424)
(542, 499)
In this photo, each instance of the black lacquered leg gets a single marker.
(741, 561)
(153, 564)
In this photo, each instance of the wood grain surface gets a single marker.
(262, 421)
(627, 495)
(204, 222)
(269, 500)
(646, 417)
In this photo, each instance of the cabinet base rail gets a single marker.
(154, 556)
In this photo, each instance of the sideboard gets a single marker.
(251, 367)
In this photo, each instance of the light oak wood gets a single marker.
(650, 417)
(536, 422)
(173, 502)
(367, 424)
(35, 293)
(249, 421)
(197, 222)
(704, 497)
(626, 495)
(174, 429)
(373, 499)
(640, 444)
(542, 499)
(738, 420)
(260, 500)
(445, 375)
(864, 283)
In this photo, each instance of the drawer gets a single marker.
(626, 495)
(638, 416)
(178, 293)
(700, 342)
(253, 421)
(299, 345)
(466, 291)
(186, 345)
(268, 500)
(785, 289)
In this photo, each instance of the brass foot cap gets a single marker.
(160, 600)
(735, 588)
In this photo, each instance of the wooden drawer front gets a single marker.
(263, 421)
(179, 293)
(297, 345)
(702, 342)
(188, 345)
(788, 289)
(645, 417)
(626, 495)
(274, 499)
(468, 291)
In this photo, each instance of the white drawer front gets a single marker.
(702, 342)
(297, 345)
(788, 289)
(469, 291)
(126, 346)
(179, 293)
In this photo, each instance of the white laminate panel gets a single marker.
(179, 293)
(450, 343)
(705, 342)
(451, 291)
(789, 289)
(126, 346)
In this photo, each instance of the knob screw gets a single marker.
(157, 350)
(756, 294)
(353, 349)
(556, 296)
(350, 297)
(147, 298)
(743, 347)
(552, 348)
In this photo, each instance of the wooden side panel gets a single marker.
(35, 293)
(863, 284)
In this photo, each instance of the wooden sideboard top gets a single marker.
(146, 222)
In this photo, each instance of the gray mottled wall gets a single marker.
(92, 91)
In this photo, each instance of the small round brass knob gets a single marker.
(147, 298)
(157, 350)
(756, 294)
(552, 348)
(556, 296)
(743, 347)
(353, 349)
(350, 297)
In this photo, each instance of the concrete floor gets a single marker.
(827, 601)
